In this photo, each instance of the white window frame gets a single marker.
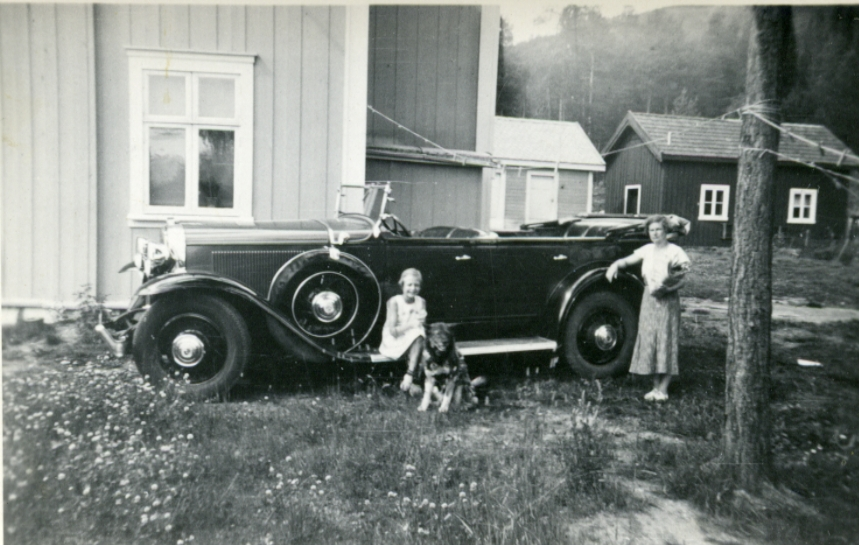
(801, 191)
(726, 203)
(540, 174)
(626, 189)
(240, 68)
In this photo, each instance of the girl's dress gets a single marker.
(394, 347)
(659, 321)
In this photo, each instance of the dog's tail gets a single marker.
(477, 382)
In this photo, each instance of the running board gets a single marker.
(492, 346)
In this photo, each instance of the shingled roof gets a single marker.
(526, 141)
(682, 137)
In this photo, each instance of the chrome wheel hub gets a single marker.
(605, 337)
(188, 350)
(327, 306)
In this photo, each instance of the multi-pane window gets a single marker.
(802, 206)
(713, 202)
(191, 135)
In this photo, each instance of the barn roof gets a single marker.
(682, 137)
(520, 141)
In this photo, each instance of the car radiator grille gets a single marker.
(255, 269)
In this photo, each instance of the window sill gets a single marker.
(157, 221)
(805, 222)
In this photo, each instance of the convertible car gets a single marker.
(318, 289)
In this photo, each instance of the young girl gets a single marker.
(663, 267)
(404, 324)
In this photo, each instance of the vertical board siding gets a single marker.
(175, 27)
(261, 41)
(831, 203)
(683, 192)
(145, 26)
(572, 193)
(286, 186)
(468, 67)
(424, 61)
(47, 166)
(429, 195)
(514, 208)
(314, 110)
(46, 91)
(204, 28)
(17, 152)
(636, 165)
(383, 67)
(298, 108)
(113, 32)
(336, 108)
(76, 127)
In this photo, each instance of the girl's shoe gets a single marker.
(651, 395)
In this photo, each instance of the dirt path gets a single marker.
(795, 310)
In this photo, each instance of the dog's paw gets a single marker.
(422, 409)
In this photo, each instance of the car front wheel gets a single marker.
(201, 343)
(600, 335)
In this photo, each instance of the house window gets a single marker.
(802, 207)
(191, 117)
(632, 199)
(713, 203)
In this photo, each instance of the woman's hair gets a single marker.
(658, 218)
(410, 272)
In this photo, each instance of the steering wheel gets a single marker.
(392, 224)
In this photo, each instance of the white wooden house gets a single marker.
(548, 171)
(116, 117)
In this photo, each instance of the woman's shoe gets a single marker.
(651, 395)
(659, 396)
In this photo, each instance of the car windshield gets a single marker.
(375, 197)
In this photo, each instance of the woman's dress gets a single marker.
(658, 338)
(394, 347)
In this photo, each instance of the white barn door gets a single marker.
(541, 197)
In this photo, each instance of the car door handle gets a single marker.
(463, 257)
(560, 257)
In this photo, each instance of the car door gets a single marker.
(457, 280)
(526, 272)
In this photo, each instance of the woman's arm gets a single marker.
(623, 263)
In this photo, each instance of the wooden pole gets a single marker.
(746, 438)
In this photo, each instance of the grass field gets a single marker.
(92, 454)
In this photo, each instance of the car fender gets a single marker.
(577, 284)
(287, 334)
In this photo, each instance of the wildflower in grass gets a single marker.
(406, 500)
(462, 494)
(472, 487)
(392, 494)
(432, 505)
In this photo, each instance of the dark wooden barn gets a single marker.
(688, 166)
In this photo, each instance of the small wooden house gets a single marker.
(688, 166)
(547, 171)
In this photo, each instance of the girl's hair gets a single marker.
(410, 272)
(657, 219)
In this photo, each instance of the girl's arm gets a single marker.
(391, 317)
(623, 263)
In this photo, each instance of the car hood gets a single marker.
(323, 231)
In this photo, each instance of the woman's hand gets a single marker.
(611, 272)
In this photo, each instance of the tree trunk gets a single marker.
(746, 439)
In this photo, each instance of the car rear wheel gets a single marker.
(201, 344)
(600, 335)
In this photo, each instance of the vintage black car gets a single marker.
(318, 289)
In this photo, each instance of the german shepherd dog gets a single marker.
(445, 371)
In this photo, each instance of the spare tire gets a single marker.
(334, 301)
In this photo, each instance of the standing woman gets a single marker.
(663, 267)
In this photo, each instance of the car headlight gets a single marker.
(152, 258)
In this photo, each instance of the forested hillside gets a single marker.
(686, 60)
